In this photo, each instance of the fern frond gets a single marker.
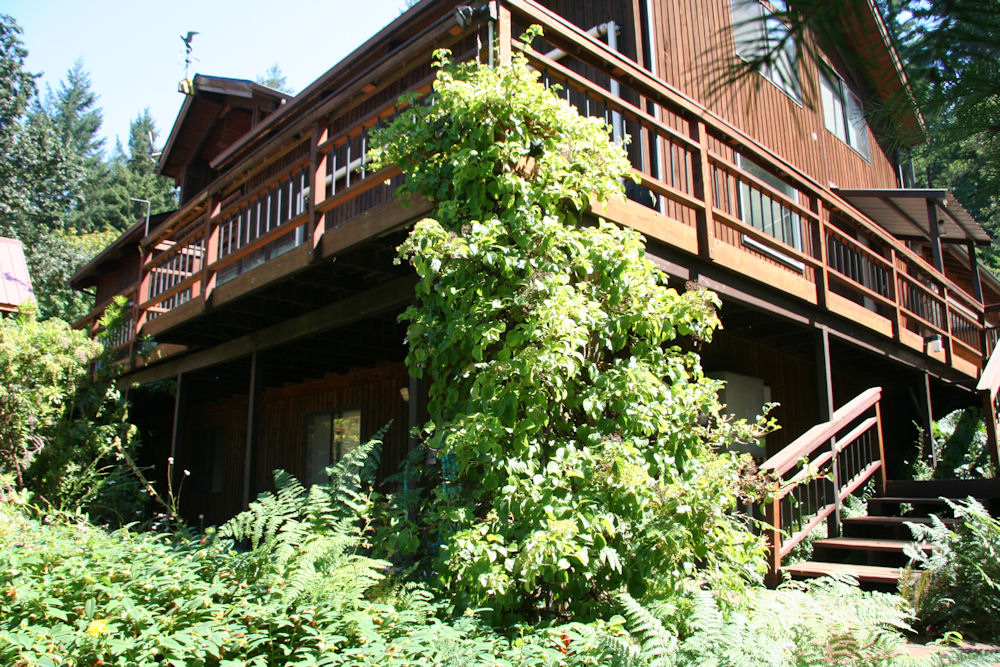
(657, 645)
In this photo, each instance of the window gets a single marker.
(758, 33)
(768, 215)
(842, 112)
(329, 436)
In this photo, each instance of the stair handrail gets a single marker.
(807, 448)
(987, 388)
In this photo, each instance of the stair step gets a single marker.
(913, 500)
(893, 520)
(866, 544)
(872, 574)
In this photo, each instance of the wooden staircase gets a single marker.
(870, 548)
(813, 475)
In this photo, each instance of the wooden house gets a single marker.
(273, 296)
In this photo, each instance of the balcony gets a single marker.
(706, 191)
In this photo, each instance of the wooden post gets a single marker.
(927, 416)
(772, 517)
(824, 386)
(897, 320)
(316, 225)
(502, 35)
(819, 252)
(703, 190)
(142, 293)
(253, 408)
(176, 433)
(881, 446)
(935, 239)
(212, 210)
(977, 285)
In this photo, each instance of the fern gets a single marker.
(305, 541)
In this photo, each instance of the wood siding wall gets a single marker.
(281, 434)
(693, 37)
(125, 275)
(792, 380)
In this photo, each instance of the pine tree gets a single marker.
(273, 77)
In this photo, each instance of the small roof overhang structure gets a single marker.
(216, 113)
(15, 283)
(905, 213)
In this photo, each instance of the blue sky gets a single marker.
(135, 56)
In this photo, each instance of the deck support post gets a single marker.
(176, 432)
(316, 225)
(824, 386)
(253, 408)
(927, 416)
(932, 220)
(208, 281)
(703, 190)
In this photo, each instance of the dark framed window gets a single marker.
(329, 436)
(843, 113)
(757, 32)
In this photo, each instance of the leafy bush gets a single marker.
(574, 432)
(958, 588)
(42, 364)
(74, 594)
(63, 433)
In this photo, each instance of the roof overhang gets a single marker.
(905, 213)
(877, 56)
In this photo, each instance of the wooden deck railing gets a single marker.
(122, 340)
(814, 474)
(735, 194)
(732, 198)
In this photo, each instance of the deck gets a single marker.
(303, 193)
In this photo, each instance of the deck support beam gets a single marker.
(377, 300)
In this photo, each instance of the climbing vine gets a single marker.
(578, 439)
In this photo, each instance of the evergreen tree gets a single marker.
(273, 77)
(38, 182)
(75, 115)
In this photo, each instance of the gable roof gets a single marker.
(216, 112)
(15, 283)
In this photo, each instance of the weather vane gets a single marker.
(185, 85)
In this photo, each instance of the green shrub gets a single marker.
(64, 433)
(958, 588)
(575, 434)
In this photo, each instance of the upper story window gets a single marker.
(759, 33)
(842, 112)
